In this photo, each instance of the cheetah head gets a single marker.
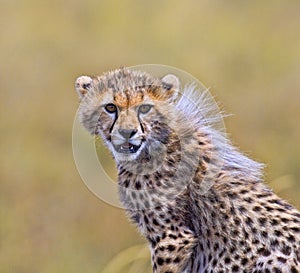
(128, 108)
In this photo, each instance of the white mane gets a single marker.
(202, 112)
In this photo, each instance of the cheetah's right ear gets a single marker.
(170, 81)
(83, 84)
(172, 84)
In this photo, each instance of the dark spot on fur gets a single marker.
(294, 270)
(176, 260)
(235, 268)
(227, 260)
(244, 261)
(281, 259)
(171, 247)
(277, 270)
(286, 250)
(160, 261)
(138, 185)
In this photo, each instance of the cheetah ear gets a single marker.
(83, 84)
(172, 84)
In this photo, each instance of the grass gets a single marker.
(135, 259)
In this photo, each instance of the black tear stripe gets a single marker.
(141, 124)
(112, 126)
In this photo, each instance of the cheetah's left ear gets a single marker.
(83, 85)
(171, 83)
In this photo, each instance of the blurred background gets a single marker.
(248, 52)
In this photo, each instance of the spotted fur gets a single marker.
(199, 202)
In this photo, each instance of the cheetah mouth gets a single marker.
(127, 148)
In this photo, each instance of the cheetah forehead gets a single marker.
(128, 87)
(123, 79)
(133, 86)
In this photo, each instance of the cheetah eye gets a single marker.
(110, 108)
(145, 108)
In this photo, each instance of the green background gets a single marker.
(248, 52)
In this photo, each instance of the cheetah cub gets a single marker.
(199, 202)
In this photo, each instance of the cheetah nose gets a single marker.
(127, 133)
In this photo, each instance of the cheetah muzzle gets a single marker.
(127, 141)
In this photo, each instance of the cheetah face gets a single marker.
(128, 133)
(123, 107)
